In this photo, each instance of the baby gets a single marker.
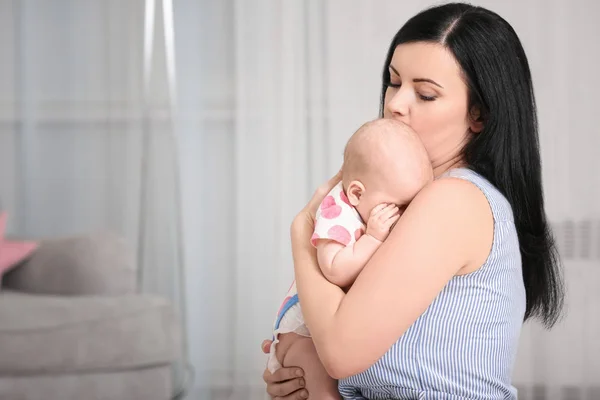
(385, 166)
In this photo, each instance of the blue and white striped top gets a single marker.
(464, 345)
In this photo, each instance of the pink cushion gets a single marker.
(12, 252)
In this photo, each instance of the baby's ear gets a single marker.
(355, 192)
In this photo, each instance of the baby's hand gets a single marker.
(381, 220)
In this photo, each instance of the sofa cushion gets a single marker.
(134, 384)
(12, 252)
(101, 263)
(51, 334)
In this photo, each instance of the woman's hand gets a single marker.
(286, 383)
(303, 224)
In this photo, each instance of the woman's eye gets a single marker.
(393, 84)
(427, 98)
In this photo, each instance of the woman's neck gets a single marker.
(442, 168)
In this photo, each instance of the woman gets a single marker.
(437, 312)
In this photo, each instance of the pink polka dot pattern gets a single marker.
(358, 233)
(344, 198)
(330, 210)
(327, 202)
(339, 234)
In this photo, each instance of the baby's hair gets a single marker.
(359, 159)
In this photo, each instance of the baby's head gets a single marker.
(384, 162)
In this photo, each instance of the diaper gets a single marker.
(289, 319)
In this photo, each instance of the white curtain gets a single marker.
(86, 130)
(267, 93)
(254, 144)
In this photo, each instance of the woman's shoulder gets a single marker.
(497, 202)
(463, 211)
(453, 198)
(455, 215)
(450, 203)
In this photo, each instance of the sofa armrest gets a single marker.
(96, 264)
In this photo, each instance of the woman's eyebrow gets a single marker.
(394, 69)
(416, 80)
(427, 80)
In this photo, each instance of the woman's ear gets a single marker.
(355, 192)
(475, 119)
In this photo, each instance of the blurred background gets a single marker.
(196, 129)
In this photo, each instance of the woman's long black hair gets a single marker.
(506, 151)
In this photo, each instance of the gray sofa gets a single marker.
(74, 327)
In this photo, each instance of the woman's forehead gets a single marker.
(424, 60)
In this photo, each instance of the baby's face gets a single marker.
(373, 196)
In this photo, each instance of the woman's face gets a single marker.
(428, 93)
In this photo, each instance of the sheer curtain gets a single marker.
(269, 93)
(86, 134)
(245, 109)
(254, 143)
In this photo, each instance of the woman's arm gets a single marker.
(447, 229)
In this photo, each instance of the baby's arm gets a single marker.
(341, 264)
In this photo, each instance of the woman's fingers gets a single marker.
(322, 191)
(285, 383)
(287, 390)
(299, 395)
(266, 346)
(283, 374)
(330, 184)
(334, 180)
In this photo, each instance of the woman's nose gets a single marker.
(398, 105)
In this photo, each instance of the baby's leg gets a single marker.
(299, 351)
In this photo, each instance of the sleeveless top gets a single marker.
(464, 345)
